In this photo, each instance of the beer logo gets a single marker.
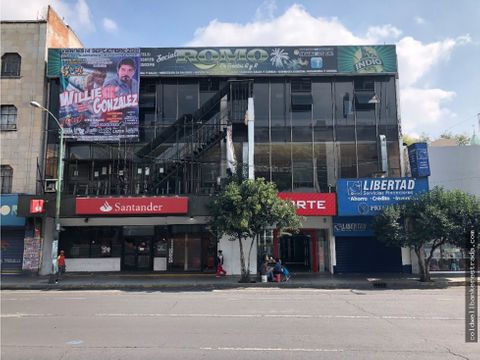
(366, 60)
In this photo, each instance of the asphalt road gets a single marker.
(235, 324)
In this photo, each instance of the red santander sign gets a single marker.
(131, 206)
(312, 204)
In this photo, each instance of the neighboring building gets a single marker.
(138, 180)
(24, 53)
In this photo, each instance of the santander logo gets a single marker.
(106, 207)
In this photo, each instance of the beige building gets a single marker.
(24, 49)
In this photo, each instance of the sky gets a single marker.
(438, 41)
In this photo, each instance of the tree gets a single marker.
(460, 139)
(435, 218)
(245, 208)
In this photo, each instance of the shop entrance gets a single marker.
(137, 254)
(295, 251)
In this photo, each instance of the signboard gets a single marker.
(8, 211)
(367, 197)
(354, 226)
(31, 253)
(37, 206)
(238, 60)
(99, 94)
(418, 158)
(131, 206)
(367, 59)
(312, 204)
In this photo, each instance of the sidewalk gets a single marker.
(206, 282)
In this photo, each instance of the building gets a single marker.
(144, 155)
(24, 54)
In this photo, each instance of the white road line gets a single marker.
(270, 349)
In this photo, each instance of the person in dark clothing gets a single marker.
(220, 269)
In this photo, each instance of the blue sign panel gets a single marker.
(354, 226)
(8, 211)
(367, 197)
(418, 157)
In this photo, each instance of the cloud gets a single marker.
(419, 20)
(422, 108)
(266, 10)
(77, 15)
(377, 33)
(110, 25)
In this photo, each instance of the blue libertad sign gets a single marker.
(367, 197)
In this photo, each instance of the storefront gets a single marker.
(12, 235)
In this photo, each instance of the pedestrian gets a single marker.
(220, 269)
(266, 270)
(61, 265)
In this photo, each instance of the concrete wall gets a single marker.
(456, 167)
(231, 256)
(92, 265)
(21, 148)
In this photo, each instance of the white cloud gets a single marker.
(266, 10)
(110, 25)
(77, 15)
(422, 109)
(419, 20)
(377, 33)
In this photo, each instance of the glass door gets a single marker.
(137, 253)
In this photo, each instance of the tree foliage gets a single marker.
(245, 208)
(434, 218)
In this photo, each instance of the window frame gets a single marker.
(5, 112)
(6, 172)
(11, 60)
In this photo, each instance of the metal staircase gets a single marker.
(178, 149)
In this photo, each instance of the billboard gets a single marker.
(8, 211)
(238, 61)
(418, 158)
(131, 206)
(99, 91)
(367, 197)
(367, 59)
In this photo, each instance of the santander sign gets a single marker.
(312, 204)
(131, 206)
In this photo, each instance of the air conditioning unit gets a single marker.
(50, 185)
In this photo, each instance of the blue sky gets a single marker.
(438, 41)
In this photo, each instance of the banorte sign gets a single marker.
(131, 206)
(312, 204)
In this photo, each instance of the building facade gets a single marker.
(24, 52)
(142, 165)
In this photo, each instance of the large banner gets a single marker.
(367, 59)
(99, 94)
(238, 61)
(368, 197)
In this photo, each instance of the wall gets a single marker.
(231, 256)
(21, 148)
(92, 265)
(449, 172)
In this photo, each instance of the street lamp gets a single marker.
(58, 188)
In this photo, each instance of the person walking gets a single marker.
(61, 265)
(220, 269)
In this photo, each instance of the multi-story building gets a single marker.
(141, 164)
(24, 54)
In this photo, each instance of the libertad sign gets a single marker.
(131, 206)
(312, 204)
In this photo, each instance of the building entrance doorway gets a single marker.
(295, 251)
(137, 253)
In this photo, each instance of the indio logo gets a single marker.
(366, 59)
(209, 58)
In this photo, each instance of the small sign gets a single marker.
(354, 226)
(36, 206)
(312, 204)
(418, 158)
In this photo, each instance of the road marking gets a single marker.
(74, 342)
(270, 349)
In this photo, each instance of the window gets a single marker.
(11, 64)
(6, 179)
(8, 117)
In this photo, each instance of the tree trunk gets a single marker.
(250, 253)
(245, 277)
(423, 264)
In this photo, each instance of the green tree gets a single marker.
(244, 209)
(435, 218)
(460, 139)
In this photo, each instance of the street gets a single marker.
(235, 324)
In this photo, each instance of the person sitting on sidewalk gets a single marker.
(266, 270)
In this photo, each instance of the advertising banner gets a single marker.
(238, 61)
(367, 197)
(99, 91)
(418, 158)
(131, 206)
(312, 204)
(8, 213)
(367, 59)
(353, 226)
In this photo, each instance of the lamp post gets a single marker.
(58, 188)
